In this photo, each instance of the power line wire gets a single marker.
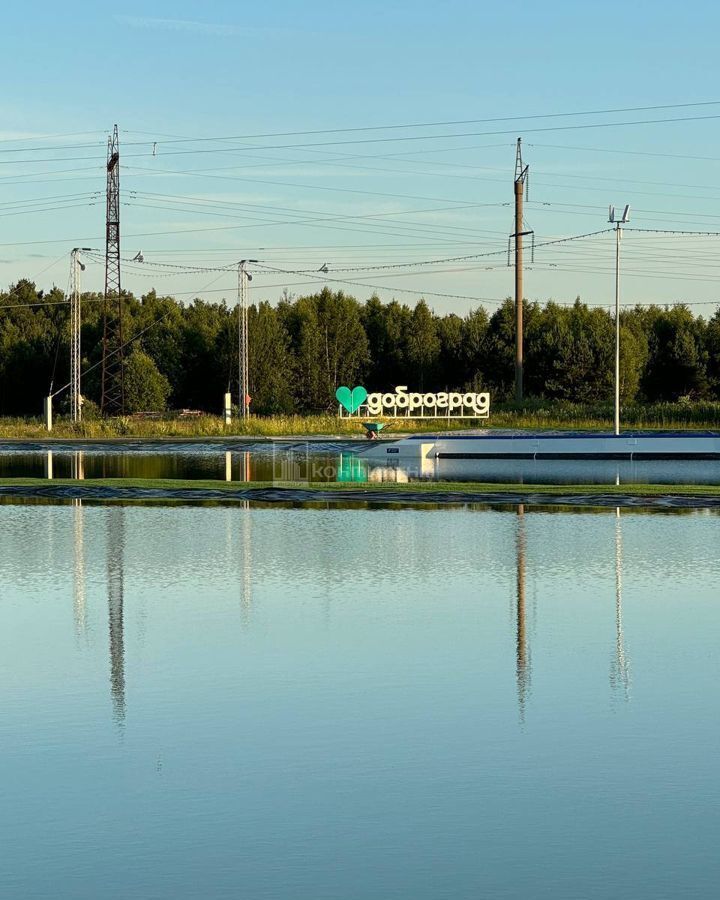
(444, 124)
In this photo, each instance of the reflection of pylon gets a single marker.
(112, 401)
(115, 586)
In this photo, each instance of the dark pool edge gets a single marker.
(227, 442)
(281, 495)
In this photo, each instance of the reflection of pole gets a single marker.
(521, 643)
(77, 465)
(246, 602)
(79, 569)
(620, 669)
(115, 584)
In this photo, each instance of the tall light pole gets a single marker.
(76, 267)
(243, 355)
(618, 223)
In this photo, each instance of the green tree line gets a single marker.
(302, 349)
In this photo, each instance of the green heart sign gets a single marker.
(351, 400)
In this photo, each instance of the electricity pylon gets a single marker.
(112, 394)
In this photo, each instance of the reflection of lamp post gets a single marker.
(620, 671)
(618, 234)
(243, 278)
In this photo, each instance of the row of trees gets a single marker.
(302, 348)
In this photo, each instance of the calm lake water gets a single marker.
(320, 462)
(316, 704)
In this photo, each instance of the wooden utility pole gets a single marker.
(521, 175)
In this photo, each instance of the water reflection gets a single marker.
(580, 471)
(79, 606)
(115, 535)
(430, 687)
(246, 563)
(522, 650)
(77, 465)
(319, 462)
(620, 669)
(239, 541)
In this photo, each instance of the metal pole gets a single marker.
(242, 340)
(246, 356)
(241, 268)
(112, 384)
(75, 320)
(519, 189)
(618, 235)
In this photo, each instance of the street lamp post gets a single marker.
(75, 330)
(243, 355)
(618, 223)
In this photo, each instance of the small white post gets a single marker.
(227, 409)
(47, 410)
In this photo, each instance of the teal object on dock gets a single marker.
(373, 428)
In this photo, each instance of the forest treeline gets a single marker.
(302, 348)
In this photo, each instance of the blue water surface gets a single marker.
(235, 702)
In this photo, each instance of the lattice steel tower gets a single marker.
(112, 402)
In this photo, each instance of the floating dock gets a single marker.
(633, 446)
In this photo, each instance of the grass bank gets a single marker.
(534, 415)
(425, 488)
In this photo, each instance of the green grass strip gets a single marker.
(416, 487)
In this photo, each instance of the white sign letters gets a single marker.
(404, 404)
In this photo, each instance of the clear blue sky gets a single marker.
(220, 70)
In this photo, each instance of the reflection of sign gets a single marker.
(404, 404)
(351, 400)
(352, 469)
